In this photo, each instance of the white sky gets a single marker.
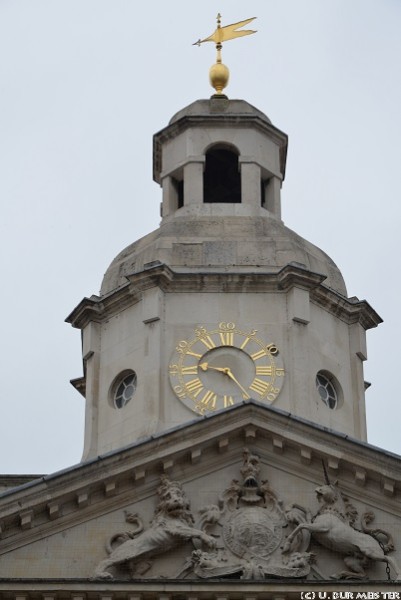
(84, 84)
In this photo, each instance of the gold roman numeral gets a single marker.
(227, 338)
(259, 354)
(259, 386)
(244, 343)
(193, 354)
(264, 370)
(194, 387)
(228, 401)
(208, 401)
(207, 340)
(190, 370)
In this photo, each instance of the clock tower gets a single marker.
(225, 438)
(222, 304)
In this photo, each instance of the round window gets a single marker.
(327, 389)
(124, 389)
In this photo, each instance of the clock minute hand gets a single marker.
(232, 376)
(227, 371)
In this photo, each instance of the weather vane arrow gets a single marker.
(219, 73)
(228, 32)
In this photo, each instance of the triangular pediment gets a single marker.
(73, 515)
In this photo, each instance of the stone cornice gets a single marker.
(184, 589)
(348, 310)
(245, 281)
(294, 274)
(14, 480)
(222, 120)
(64, 499)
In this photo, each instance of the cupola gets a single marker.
(220, 152)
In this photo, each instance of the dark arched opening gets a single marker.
(221, 178)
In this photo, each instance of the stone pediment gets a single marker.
(228, 496)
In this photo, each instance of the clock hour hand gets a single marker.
(205, 367)
(227, 371)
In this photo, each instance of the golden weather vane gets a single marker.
(219, 73)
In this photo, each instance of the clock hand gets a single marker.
(232, 376)
(205, 366)
(227, 371)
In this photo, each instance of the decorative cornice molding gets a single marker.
(297, 275)
(160, 275)
(80, 589)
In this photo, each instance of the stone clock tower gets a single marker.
(225, 443)
(222, 304)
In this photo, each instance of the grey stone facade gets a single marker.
(225, 441)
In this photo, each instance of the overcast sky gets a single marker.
(84, 84)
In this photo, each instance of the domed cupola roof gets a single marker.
(221, 164)
(245, 244)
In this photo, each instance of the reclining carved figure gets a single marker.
(171, 525)
(332, 528)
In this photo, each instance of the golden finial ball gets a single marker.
(219, 75)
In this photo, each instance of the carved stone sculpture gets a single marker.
(171, 525)
(333, 527)
(248, 526)
(243, 534)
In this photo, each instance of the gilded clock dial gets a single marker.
(225, 365)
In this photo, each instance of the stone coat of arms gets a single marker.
(248, 534)
(248, 523)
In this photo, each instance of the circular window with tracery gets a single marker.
(123, 389)
(327, 389)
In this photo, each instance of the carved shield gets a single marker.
(252, 531)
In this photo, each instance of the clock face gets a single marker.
(225, 365)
